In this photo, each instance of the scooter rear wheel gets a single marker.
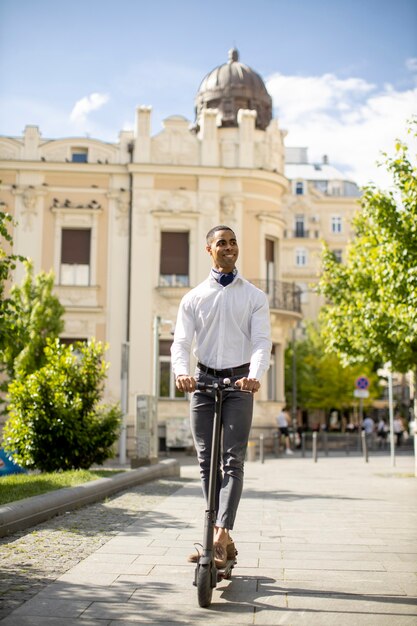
(204, 587)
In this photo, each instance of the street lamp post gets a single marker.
(157, 323)
(294, 379)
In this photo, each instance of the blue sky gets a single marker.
(343, 75)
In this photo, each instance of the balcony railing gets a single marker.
(284, 296)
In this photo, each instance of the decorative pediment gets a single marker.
(176, 144)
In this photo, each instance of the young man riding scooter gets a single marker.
(229, 319)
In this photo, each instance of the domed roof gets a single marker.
(233, 86)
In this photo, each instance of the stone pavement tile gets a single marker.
(330, 576)
(120, 545)
(46, 606)
(348, 555)
(405, 548)
(30, 620)
(156, 612)
(296, 617)
(165, 559)
(88, 577)
(341, 587)
(274, 573)
(151, 549)
(409, 557)
(401, 567)
(310, 548)
(118, 592)
(322, 564)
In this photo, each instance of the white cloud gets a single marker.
(350, 120)
(411, 64)
(87, 104)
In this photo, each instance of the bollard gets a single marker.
(364, 446)
(251, 451)
(325, 442)
(303, 444)
(261, 447)
(315, 447)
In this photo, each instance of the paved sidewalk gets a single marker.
(327, 543)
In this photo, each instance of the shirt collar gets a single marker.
(218, 275)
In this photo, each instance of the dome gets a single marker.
(233, 86)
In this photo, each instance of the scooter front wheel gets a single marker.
(204, 585)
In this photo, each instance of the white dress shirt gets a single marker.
(230, 324)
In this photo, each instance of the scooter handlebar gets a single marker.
(224, 383)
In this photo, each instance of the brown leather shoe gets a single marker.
(231, 549)
(220, 555)
(231, 552)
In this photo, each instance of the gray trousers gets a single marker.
(237, 408)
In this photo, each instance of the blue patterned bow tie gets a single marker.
(224, 279)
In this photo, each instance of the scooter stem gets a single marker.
(210, 520)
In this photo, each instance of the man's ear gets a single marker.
(208, 248)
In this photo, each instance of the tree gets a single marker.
(56, 420)
(323, 382)
(372, 311)
(34, 314)
(8, 262)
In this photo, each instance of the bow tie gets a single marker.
(224, 279)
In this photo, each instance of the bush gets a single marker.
(56, 421)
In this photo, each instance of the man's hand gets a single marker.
(248, 384)
(185, 383)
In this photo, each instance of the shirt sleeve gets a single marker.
(261, 338)
(183, 338)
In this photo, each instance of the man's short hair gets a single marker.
(213, 231)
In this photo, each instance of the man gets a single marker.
(368, 425)
(229, 319)
(283, 422)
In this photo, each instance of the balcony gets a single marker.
(283, 296)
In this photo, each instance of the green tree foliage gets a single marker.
(323, 382)
(7, 265)
(56, 419)
(34, 314)
(372, 312)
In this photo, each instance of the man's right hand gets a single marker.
(185, 383)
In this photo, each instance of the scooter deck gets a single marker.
(226, 572)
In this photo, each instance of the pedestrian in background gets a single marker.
(283, 422)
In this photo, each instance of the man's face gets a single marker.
(223, 250)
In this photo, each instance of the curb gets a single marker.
(31, 511)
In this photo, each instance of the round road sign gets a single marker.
(362, 382)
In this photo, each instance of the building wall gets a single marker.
(318, 210)
(128, 193)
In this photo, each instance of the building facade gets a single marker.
(123, 228)
(319, 208)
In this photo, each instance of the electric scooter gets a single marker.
(206, 573)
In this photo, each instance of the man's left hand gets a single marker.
(248, 384)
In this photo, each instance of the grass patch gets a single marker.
(18, 486)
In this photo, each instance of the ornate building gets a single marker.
(123, 227)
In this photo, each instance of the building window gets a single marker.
(337, 255)
(300, 257)
(299, 188)
(174, 260)
(272, 376)
(300, 230)
(167, 388)
(321, 185)
(270, 264)
(75, 256)
(303, 292)
(336, 225)
(79, 155)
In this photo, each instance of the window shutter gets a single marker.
(174, 254)
(75, 246)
